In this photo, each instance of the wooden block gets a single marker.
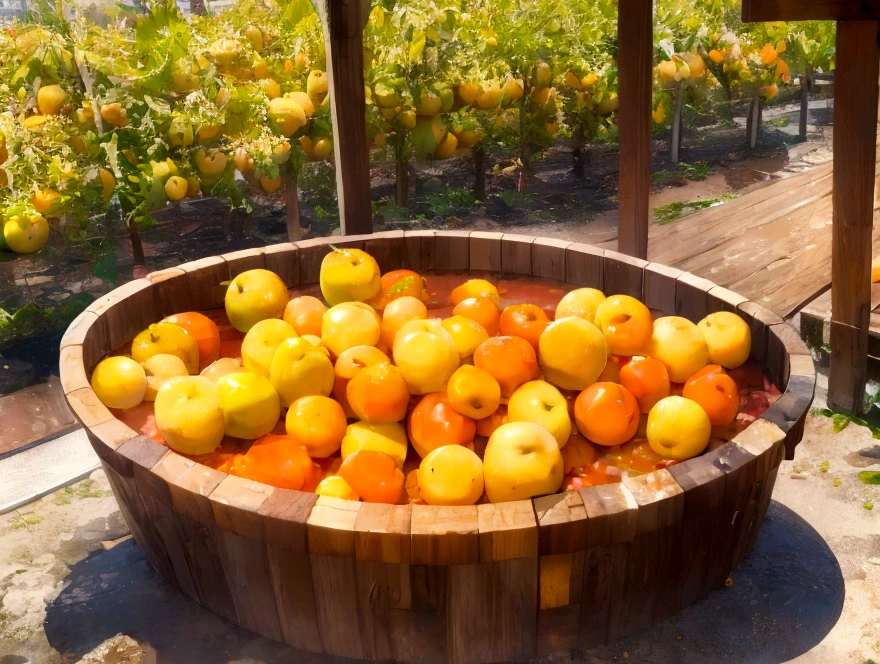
(235, 502)
(562, 523)
(659, 497)
(516, 254)
(171, 294)
(170, 467)
(387, 249)
(623, 275)
(311, 253)
(126, 311)
(783, 342)
(284, 515)
(585, 266)
(659, 288)
(506, 590)
(205, 277)
(143, 454)
(802, 365)
(692, 297)
(382, 533)
(334, 583)
(111, 434)
(331, 527)
(603, 579)
(291, 574)
(789, 412)
(548, 258)
(555, 580)
(87, 408)
(90, 332)
(445, 535)
(507, 530)
(721, 299)
(244, 260)
(418, 251)
(191, 490)
(72, 370)
(283, 260)
(387, 623)
(611, 514)
(428, 594)
(484, 251)
(558, 629)
(451, 251)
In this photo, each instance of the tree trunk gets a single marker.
(578, 155)
(402, 168)
(479, 155)
(197, 7)
(524, 153)
(291, 201)
(753, 124)
(675, 139)
(137, 247)
(805, 104)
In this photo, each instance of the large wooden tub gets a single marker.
(486, 583)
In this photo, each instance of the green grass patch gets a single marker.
(678, 209)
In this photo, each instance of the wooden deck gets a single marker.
(772, 245)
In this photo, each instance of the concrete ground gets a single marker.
(74, 588)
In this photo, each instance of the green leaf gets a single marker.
(105, 268)
(839, 422)
(869, 477)
(417, 47)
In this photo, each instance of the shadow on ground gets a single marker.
(784, 599)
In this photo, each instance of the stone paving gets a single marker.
(75, 588)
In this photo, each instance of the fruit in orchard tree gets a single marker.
(466, 333)
(678, 428)
(114, 114)
(540, 402)
(607, 414)
(159, 369)
(473, 392)
(626, 323)
(543, 75)
(647, 379)
(223, 366)
(335, 487)
(447, 147)
(348, 325)
(373, 476)
(243, 161)
(481, 309)
(286, 116)
(511, 91)
(210, 162)
(573, 81)
(349, 275)
(180, 133)
(474, 288)
(489, 96)
(388, 438)
(522, 460)
(26, 234)
(487, 425)
(510, 360)
(279, 461)
(108, 183)
(47, 201)
(323, 148)
(250, 404)
(207, 132)
(304, 101)
(728, 338)
(451, 475)
(193, 186)
(426, 355)
(467, 92)
(527, 321)
(253, 296)
(50, 99)
(166, 338)
(608, 105)
(378, 394)
(680, 346)
(318, 422)
(260, 343)
(203, 330)
(299, 369)
(385, 96)
(469, 138)
(434, 423)
(317, 84)
(436, 127)
(271, 88)
(716, 392)
(427, 102)
(572, 353)
(348, 364)
(224, 52)
(119, 382)
(175, 188)
(305, 313)
(270, 185)
(189, 416)
(399, 312)
(255, 36)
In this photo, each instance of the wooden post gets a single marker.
(855, 132)
(634, 65)
(344, 22)
(805, 103)
(675, 140)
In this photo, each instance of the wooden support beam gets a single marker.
(810, 10)
(855, 134)
(635, 29)
(344, 22)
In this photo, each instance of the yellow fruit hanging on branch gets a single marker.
(666, 71)
(270, 87)
(696, 64)
(572, 80)
(658, 115)
(243, 161)
(211, 162)
(590, 80)
(115, 114)
(176, 188)
(225, 52)
(255, 36)
(770, 91)
(270, 185)
(50, 99)
(25, 234)
(467, 92)
(303, 100)
(47, 201)
(716, 56)
(323, 148)
(490, 95)
(108, 183)
(180, 133)
(287, 116)
(511, 91)
(193, 186)
(317, 86)
(34, 122)
(543, 75)
(447, 147)
(768, 55)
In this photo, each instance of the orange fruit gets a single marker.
(378, 394)
(486, 427)
(347, 366)
(481, 309)
(280, 461)
(373, 476)
(607, 414)
(434, 423)
(716, 392)
(647, 379)
(524, 320)
(319, 423)
(509, 360)
(204, 331)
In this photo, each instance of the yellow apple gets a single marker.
(336, 487)
(159, 368)
(168, 339)
(728, 338)
(188, 415)
(539, 402)
(572, 353)
(250, 404)
(119, 382)
(426, 355)
(680, 346)
(25, 235)
(522, 460)
(581, 302)
(473, 392)
(349, 275)
(451, 475)
(466, 333)
(299, 370)
(348, 325)
(253, 296)
(388, 439)
(261, 342)
(678, 428)
(225, 365)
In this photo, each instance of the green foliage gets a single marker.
(677, 209)
(31, 319)
(451, 202)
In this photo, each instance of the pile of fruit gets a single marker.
(366, 396)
